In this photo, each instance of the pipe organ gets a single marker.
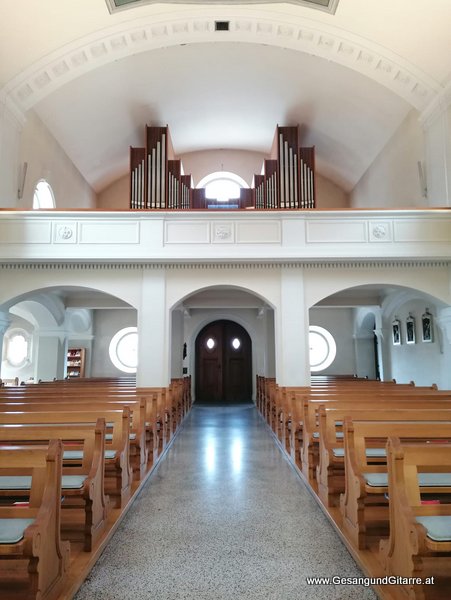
(287, 181)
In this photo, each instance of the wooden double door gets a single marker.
(223, 363)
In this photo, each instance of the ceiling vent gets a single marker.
(222, 25)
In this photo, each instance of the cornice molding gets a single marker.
(437, 107)
(295, 264)
(275, 27)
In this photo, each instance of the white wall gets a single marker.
(340, 323)
(419, 362)
(105, 324)
(202, 163)
(329, 195)
(392, 181)
(116, 196)
(47, 160)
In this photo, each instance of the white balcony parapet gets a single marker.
(232, 236)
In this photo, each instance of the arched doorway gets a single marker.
(223, 363)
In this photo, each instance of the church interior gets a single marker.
(225, 266)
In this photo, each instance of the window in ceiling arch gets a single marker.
(329, 6)
(222, 185)
(43, 195)
(17, 347)
(123, 350)
(323, 348)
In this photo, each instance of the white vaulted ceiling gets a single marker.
(348, 79)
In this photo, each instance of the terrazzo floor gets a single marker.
(223, 517)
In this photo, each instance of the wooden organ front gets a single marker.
(287, 181)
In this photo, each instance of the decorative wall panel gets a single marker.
(109, 232)
(336, 231)
(188, 232)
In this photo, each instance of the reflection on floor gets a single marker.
(223, 517)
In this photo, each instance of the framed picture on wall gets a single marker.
(426, 326)
(410, 330)
(396, 332)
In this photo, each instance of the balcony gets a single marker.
(217, 236)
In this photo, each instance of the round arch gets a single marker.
(26, 288)
(421, 281)
(186, 288)
(248, 24)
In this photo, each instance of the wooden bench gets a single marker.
(364, 504)
(82, 484)
(420, 534)
(141, 449)
(118, 471)
(330, 474)
(308, 440)
(165, 407)
(31, 534)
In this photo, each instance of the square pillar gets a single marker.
(292, 330)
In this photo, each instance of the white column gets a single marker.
(383, 335)
(11, 124)
(5, 322)
(265, 352)
(437, 129)
(51, 356)
(177, 342)
(443, 322)
(291, 325)
(364, 356)
(153, 332)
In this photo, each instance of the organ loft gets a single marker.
(158, 182)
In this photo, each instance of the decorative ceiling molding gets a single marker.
(437, 106)
(214, 265)
(250, 25)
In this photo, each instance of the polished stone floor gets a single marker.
(223, 517)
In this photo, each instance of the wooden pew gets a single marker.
(118, 471)
(330, 473)
(420, 534)
(165, 407)
(32, 533)
(82, 484)
(141, 450)
(364, 506)
(308, 457)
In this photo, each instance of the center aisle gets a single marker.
(223, 517)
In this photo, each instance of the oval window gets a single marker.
(236, 343)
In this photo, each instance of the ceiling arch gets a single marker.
(249, 25)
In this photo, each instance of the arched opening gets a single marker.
(223, 353)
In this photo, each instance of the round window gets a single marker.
(124, 350)
(236, 343)
(323, 348)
